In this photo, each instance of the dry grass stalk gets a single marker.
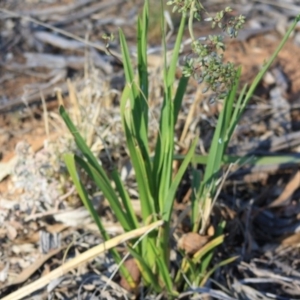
(82, 258)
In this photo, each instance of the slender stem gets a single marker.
(191, 19)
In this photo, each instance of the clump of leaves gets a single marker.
(156, 182)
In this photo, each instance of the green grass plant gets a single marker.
(156, 182)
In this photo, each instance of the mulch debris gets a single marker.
(53, 53)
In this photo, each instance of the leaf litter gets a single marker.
(42, 221)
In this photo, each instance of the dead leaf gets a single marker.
(11, 231)
(211, 230)
(287, 192)
(192, 242)
(4, 273)
(135, 273)
(33, 268)
(291, 240)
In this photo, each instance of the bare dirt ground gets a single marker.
(52, 52)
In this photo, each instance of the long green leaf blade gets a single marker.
(109, 194)
(176, 51)
(71, 166)
(82, 144)
(169, 201)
